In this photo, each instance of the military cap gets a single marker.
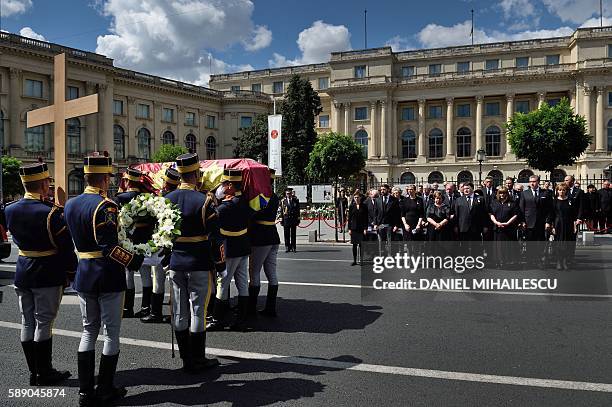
(171, 176)
(98, 164)
(231, 175)
(34, 172)
(187, 163)
(133, 174)
(288, 189)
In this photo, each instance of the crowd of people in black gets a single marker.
(508, 213)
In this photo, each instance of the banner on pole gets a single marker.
(275, 124)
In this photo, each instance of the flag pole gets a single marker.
(365, 28)
(472, 32)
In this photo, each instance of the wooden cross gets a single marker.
(57, 114)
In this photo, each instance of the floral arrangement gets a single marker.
(147, 208)
(324, 212)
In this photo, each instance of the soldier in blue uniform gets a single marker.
(264, 249)
(190, 263)
(142, 234)
(100, 279)
(45, 254)
(172, 180)
(234, 213)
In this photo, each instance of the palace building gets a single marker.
(424, 114)
(420, 114)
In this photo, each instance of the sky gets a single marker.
(190, 39)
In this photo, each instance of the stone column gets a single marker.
(180, 124)
(14, 98)
(373, 130)
(347, 118)
(450, 136)
(105, 122)
(91, 120)
(572, 98)
(479, 140)
(541, 98)
(383, 129)
(509, 113)
(421, 142)
(600, 140)
(587, 107)
(394, 135)
(335, 116)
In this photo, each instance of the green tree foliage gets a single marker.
(168, 152)
(11, 183)
(299, 109)
(335, 155)
(253, 142)
(548, 137)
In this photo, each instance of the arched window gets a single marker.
(524, 175)
(168, 138)
(144, 144)
(464, 142)
(361, 137)
(557, 175)
(610, 135)
(211, 148)
(119, 140)
(465, 176)
(407, 178)
(35, 139)
(190, 143)
(73, 134)
(435, 176)
(75, 183)
(498, 177)
(408, 144)
(435, 143)
(493, 141)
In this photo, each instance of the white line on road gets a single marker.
(303, 259)
(365, 367)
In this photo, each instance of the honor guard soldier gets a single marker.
(264, 249)
(189, 266)
(46, 252)
(172, 180)
(234, 213)
(100, 279)
(290, 218)
(142, 234)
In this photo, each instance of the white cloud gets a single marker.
(595, 22)
(517, 8)
(174, 38)
(399, 44)
(30, 33)
(437, 36)
(316, 43)
(576, 11)
(261, 39)
(10, 7)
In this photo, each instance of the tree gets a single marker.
(335, 155)
(253, 142)
(11, 182)
(299, 109)
(168, 153)
(548, 137)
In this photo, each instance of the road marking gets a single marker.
(302, 259)
(363, 367)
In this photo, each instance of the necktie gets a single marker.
(535, 193)
(470, 201)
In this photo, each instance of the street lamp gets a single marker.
(480, 157)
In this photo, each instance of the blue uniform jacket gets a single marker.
(92, 221)
(262, 229)
(192, 250)
(38, 227)
(234, 214)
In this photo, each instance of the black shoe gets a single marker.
(253, 296)
(218, 318)
(128, 303)
(240, 322)
(30, 355)
(142, 313)
(270, 309)
(145, 306)
(198, 348)
(87, 367)
(287, 250)
(46, 375)
(354, 263)
(155, 316)
(106, 391)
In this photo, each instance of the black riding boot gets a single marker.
(253, 295)
(30, 355)
(156, 316)
(198, 347)
(270, 309)
(241, 319)
(185, 352)
(218, 320)
(145, 307)
(87, 367)
(106, 390)
(46, 374)
(128, 303)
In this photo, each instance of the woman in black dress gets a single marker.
(504, 215)
(562, 218)
(438, 216)
(357, 223)
(411, 208)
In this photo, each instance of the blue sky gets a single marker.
(184, 38)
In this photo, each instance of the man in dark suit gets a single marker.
(371, 206)
(513, 194)
(386, 207)
(427, 196)
(290, 218)
(535, 205)
(605, 200)
(576, 195)
(470, 215)
(489, 195)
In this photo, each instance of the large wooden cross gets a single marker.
(57, 114)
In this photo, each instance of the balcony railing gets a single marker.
(261, 73)
(245, 94)
(595, 63)
(368, 80)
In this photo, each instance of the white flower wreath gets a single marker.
(166, 229)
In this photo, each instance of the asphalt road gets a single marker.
(329, 347)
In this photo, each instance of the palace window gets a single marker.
(143, 111)
(553, 102)
(492, 109)
(464, 142)
(190, 143)
(407, 178)
(408, 71)
(210, 122)
(361, 113)
(190, 118)
(168, 115)
(498, 177)
(324, 121)
(117, 107)
(610, 135)
(211, 148)
(360, 71)
(72, 93)
(235, 88)
(323, 83)
(408, 113)
(144, 144)
(463, 67)
(408, 144)
(609, 50)
(464, 110)
(168, 138)
(33, 88)
(277, 87)
(75, 183)
(245, 121)
(35, 139)
(552, 59)
(492, 64)
(522, 106)
(73, 135)
(609, 99)
(435, 143)
(493, 141)
(361, 138)
(522, 62)
(435, 177)
(256, 87)
(435, 69)
(435, 112)
(119, 142)
(465, 176)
